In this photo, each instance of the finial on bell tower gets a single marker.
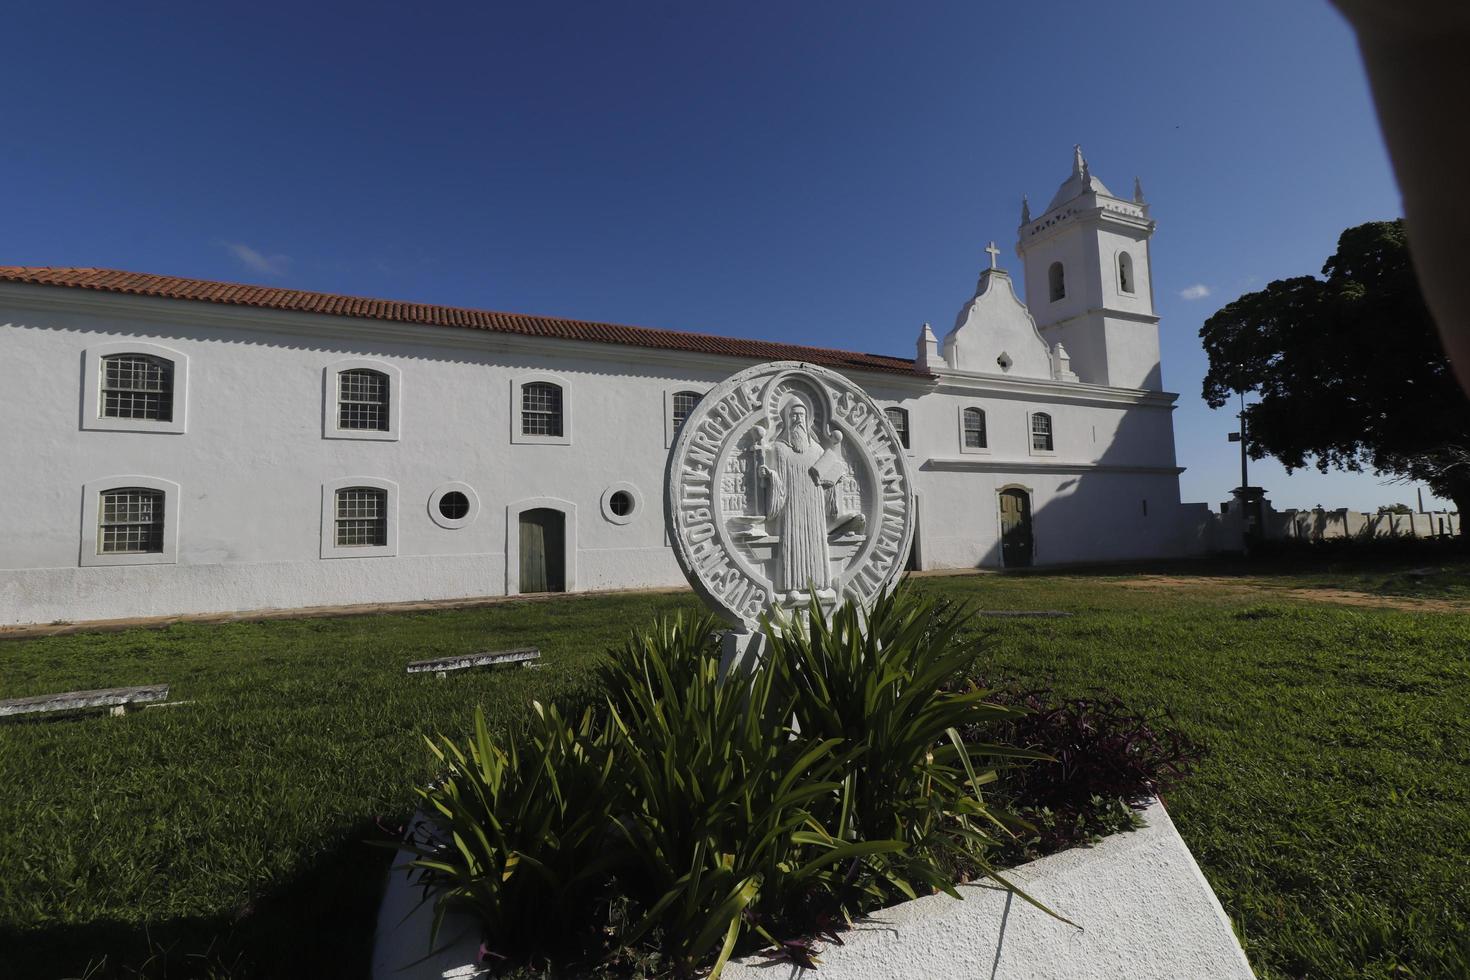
(1137, 191)
(1025, 210)
(1079, 165)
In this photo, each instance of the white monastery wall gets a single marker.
(252, 461)
(1078, 517)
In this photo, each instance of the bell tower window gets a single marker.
(1057, 281)
(1125, 272)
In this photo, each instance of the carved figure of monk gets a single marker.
(798, 510)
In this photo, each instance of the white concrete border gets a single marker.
(1144, 909)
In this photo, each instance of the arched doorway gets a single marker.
(543, 550)
(1016, 541)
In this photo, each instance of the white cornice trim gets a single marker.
(1043, 389)
(1031, 234)
(1146, 318)
(1041, 466)
(314, 328)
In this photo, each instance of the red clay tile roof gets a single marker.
(272, 298)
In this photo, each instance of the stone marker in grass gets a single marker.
(118, 699)
(441, 666)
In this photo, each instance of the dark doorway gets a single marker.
(543, 551)
(912, 564)
(1015, 529)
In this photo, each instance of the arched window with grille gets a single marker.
(361, 517)
(1056, 279)
(1125, 272)
(363, 396)
(1041, 432)
(130, 521)
(900, 419)
(541, 410)
(137, 386)
(974, 429)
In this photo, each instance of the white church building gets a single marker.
(179, 446)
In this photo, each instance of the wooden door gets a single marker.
(543, 555)
(1015, 528)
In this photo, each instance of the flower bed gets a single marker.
(693, 818)
(1144, 911)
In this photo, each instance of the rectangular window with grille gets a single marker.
(136, 386)
(684, 402)
(130, 522)
(541, 409)
(900, 420)
(362, 518)
(974, 428)
(362, 400)
(1041, 432)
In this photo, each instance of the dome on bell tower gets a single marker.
(1079, 182)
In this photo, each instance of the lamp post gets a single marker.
(1248, 497)
(1240, 438)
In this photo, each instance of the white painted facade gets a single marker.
(250, 460)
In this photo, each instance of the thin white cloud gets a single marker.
(256, 261)
(1198, 291)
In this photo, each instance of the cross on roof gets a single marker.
(994, 252)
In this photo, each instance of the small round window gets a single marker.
(620, 502)
(454, 505)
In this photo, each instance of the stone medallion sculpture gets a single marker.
(788, 483)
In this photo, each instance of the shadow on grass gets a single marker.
(318, 925)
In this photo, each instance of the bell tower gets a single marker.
(1088, 283)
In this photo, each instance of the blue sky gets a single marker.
(821, 172)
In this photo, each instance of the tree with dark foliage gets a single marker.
(1349, 371)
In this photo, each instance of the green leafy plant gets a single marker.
(724, 792)
(519, 835)
(878, 683)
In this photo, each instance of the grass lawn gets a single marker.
(1332, 814)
